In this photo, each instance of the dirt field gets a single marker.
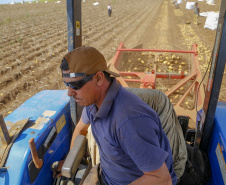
(33, 39)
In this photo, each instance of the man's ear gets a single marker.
(100, 78)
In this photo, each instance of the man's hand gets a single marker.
(56, 168)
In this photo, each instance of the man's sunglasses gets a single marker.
(78, 84)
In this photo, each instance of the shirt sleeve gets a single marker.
(141, 138)
(84, 117)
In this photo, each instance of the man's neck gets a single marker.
(103, 92)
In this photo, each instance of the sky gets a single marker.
(9, 1)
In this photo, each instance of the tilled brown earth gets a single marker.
(33, 40)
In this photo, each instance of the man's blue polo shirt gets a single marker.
(129, 136)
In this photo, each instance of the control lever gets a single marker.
(38, 162)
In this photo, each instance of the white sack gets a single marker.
(211, 2)
(95, 3)
(179, 1)
(211, 21)
(205, 14)
(190, 5)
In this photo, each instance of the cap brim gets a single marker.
(113, 73)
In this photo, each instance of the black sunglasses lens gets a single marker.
(78, 84)
(75, 87)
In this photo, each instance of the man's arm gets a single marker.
(80, 129)
(159, 176)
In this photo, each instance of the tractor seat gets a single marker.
(160, 103)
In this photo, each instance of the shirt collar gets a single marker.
(108, 101)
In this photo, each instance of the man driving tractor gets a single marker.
(132, 145)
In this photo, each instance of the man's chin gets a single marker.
(81, 104)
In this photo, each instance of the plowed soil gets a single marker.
(33, 40)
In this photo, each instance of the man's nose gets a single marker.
(71, 92)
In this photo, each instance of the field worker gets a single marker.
(196, 13)
(132, 144)
(109, 10)
(177, 5)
